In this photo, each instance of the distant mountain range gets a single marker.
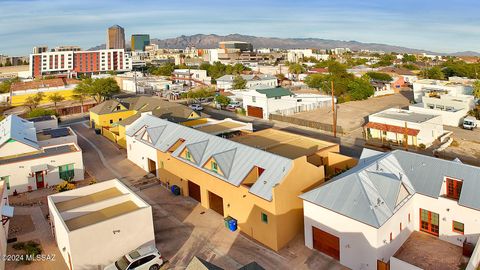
(211, 41)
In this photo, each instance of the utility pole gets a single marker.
(334, 111)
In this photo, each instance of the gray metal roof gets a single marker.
(370, 191)
(235, 160)
(18, 129)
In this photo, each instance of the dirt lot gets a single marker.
(351, 115)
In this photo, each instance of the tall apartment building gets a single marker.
(139, 41)
(115, 37)
(40, 49)
(73, 63)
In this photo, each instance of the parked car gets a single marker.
(196, 107)
(232, 107)
(143, 258)
(469, 122)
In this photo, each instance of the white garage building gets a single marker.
(95, 225)
(401, 209)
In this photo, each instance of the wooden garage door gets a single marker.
(326, 243)
(216, 202)
(255, 111)
(194, 191)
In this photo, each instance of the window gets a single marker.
(188, 155)
(214, 166)
(118, 107)
(7, 181)
(66, 172)
(454, 187)
(458, 227)
(264, 218)
(391, 237)
(111, 121)
(409, 219)
(254, 99)
(401, 226)
(119, 119)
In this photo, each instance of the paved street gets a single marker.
(183, 228)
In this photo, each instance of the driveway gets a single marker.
(183, 228)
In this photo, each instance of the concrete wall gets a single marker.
(396, 264)
(474, 261)
(86, 242)
(47, 124)
(21, 175)
(139, 153)
(357, 240)
(449, 118)
(103, 120)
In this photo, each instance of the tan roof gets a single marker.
(219, 128)
(282, 143)
(57, 82)
(88, 199)
(101, 215)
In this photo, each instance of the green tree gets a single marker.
(222, 100)
(6, 85)
(385, 60)
(55, 98)
(98, 89)
(8, 63)
(409, 58)
(476, 89)
(39, 112)
(316, 81)
(162, 70)
(379, 76)
(360, 89)
(296, 69)
(33, 101)
(239, 82)
(435, 73)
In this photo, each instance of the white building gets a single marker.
(72, 63)
(7, 212)
(453, 109)
(381, 88)
(392, 125)
(397, 208)
(31, 160)
(262, 102)
(193, 76)
(297, 55)
(422, 87)
(253, 81)
(95, 225)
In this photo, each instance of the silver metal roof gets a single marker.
(370, 191)
(18, 129)
(234, 159)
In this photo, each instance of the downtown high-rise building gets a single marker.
(115, 37)
(139, 41)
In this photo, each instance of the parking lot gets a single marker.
(183, 228)
(352, 115)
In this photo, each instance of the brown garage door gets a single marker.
(216, 202)
(326, 243)
(194, 191)
(255, 111)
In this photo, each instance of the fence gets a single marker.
(304, 108)
(305, 123)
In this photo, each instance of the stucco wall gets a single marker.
(15, 148)
(20, 172)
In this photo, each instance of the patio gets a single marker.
(429, 252)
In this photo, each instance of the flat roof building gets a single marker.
(106, 217)
(139, 42)
(115, 37)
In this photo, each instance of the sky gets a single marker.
(435, 25)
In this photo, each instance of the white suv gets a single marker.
(196, 107)
(143, 258)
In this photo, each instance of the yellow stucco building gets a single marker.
(114, 115)
(254, 178)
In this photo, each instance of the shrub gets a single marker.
(40, 112)
(454, 144)
(422, 146)
(31, 248)
(65, 186)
